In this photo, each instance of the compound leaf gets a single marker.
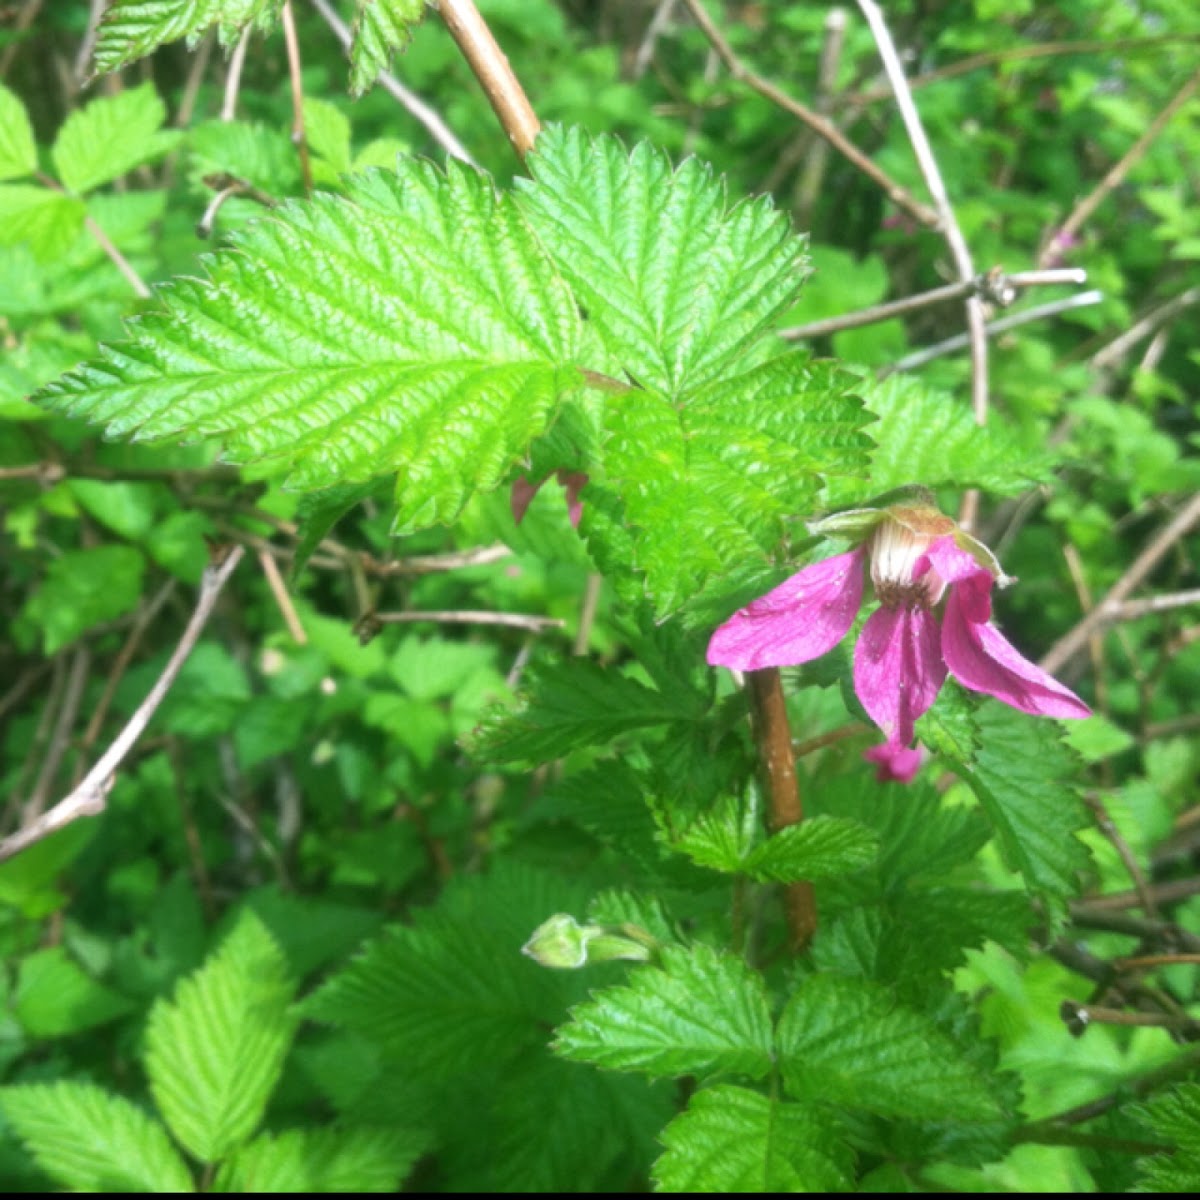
(697, 1013)
(381, 28)
(734, 1140)
(847, 1042)
(91, 1141)
(414, 325)
(214, 1053)
(111, 136)
(677, 281)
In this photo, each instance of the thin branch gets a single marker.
(81, 660)
(809, 745)
(1088, 205)
(808, 189)
(1014, 321)
(434, 125)
(1131, 610)
(1079, 1016)
(957, 244)
(1156, 932)
(976, 62)
(1111, 354)
(25, 18)
(491, 68)
(1069, 644)
(995, 287)
(1173, 892)
(529, 621)
(88, 42)
(299, 140)
(88, 798)
(282, 600)
(774, 739)
(663, 12)
(145, 619)
(587, 612)
(105, 243)
(1131, 1089)
(1143, 961)
(821, 126)
(1107, 826)
(233, 76)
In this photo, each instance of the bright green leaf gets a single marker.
(323, 1161)
(327, 131)
(348, 338)
(46, 221)
(1023, 776)
(698, 1013)
(109, 137)
(133, 28)
(82, 589)
(18, 154)
(214, 1053)
(678, 281)
(1174, 1119)
(929, 437)
(847, 1042)
(55, 997)
(734, 1140)
(572, 704)
(90, 1141)
(381, 29)
(709, 484)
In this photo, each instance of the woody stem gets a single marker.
(774, 740)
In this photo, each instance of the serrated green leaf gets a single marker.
(817, 849)
(847, 1042)
(1174, 1119)
(83, 588)
(698, 1013)
(572, 704)
(215, 1052)
(1023, 776)
(734, 1140)
(45, 221)
(729, 838)
(453, 993)
(327, 132)
(709, 484)
(323, 1161)
(109, 137)
(382, 28)
(18, 153)
(347, 338)
(929, 437)
(91, 1141)
(318, 512)
(55, 997)
(259, 155)
(677, 281)
(133, 28)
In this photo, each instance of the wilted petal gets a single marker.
(521, 497)
(803, 618)
(574, 482)
(895, 762)
(898, 668)
(982, 659)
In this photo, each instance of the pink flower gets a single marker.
(917, 556)
(523, 493)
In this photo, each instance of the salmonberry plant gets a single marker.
(755, 878)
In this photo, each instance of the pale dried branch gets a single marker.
(88, 799)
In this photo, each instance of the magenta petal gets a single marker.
(972, 582)
(521, 497)
(898, 668)
(574, 482)
(982, 659)
(894, 762)
(803, 618)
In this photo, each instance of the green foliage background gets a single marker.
(288, 955)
